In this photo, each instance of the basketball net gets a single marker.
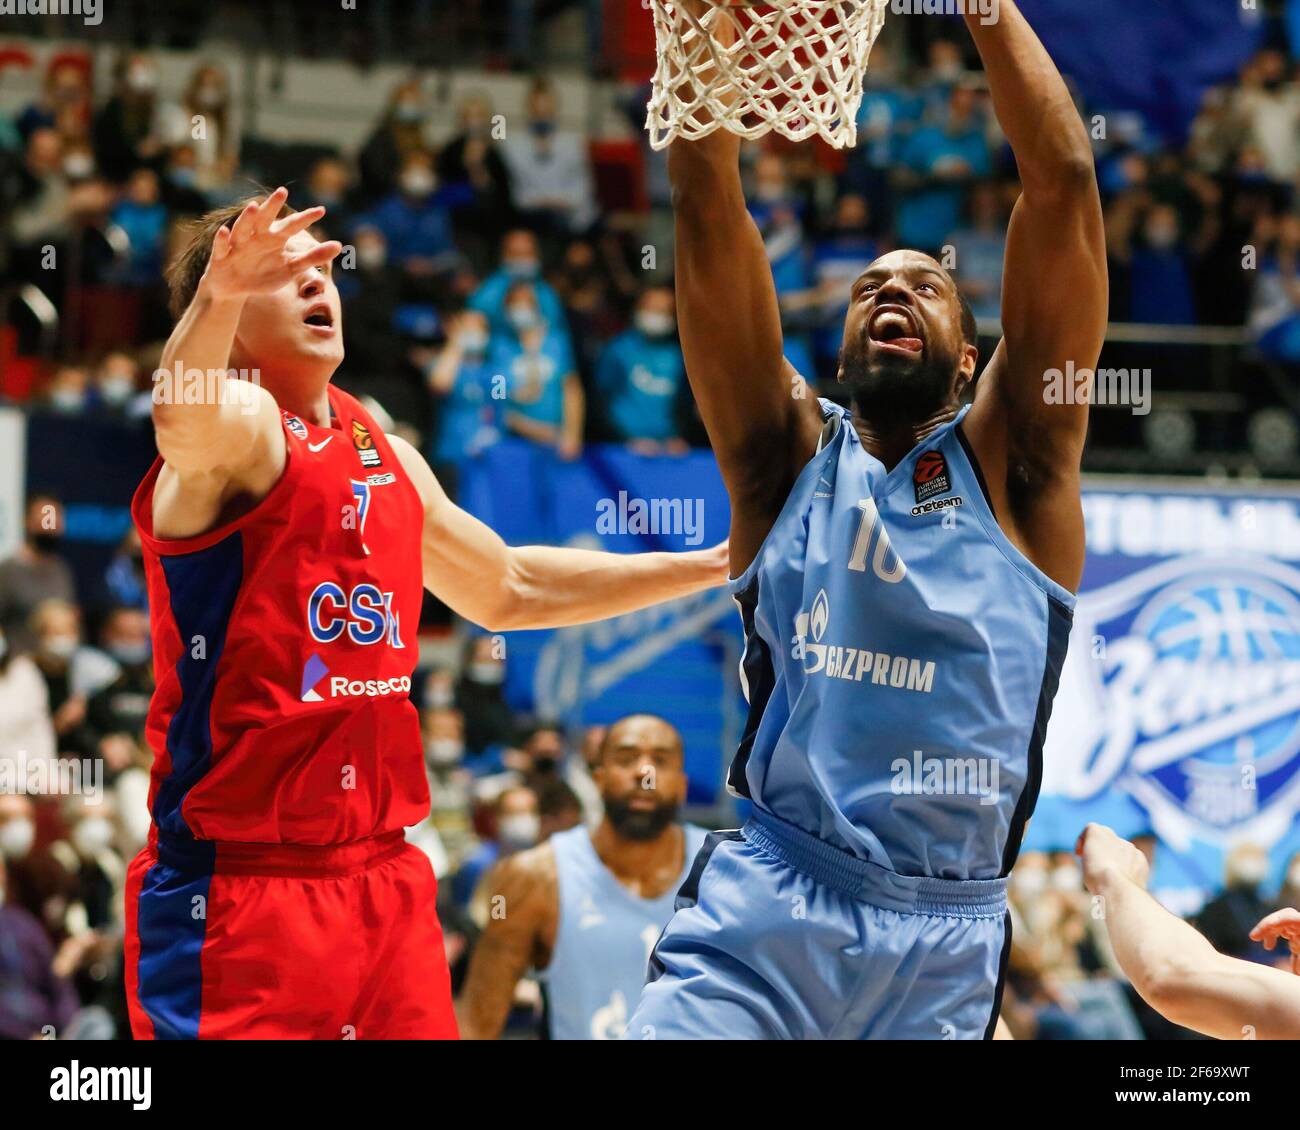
(793, 66)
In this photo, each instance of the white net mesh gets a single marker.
(794, 66)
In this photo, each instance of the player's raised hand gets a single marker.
(1281, 925)
(253, 255)
(1105, 854)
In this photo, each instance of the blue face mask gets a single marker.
(523, 318)
(130, 654)
(522, 268)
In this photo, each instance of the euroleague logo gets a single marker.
(930, 479)
(364, 442)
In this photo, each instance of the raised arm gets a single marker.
(1054, 302)
(762, 428)
(502, 588)
(229, 440)
(1175, 970)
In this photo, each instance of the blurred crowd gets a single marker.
(497, 281)
(494, 285)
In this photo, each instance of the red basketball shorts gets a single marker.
(253, 941)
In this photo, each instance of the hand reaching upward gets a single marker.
(253, 254)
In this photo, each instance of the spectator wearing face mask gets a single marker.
(115, 714)
(370, 292)
(36, 572)
(26, 726)
(1227, 919)
(401, 131)
(329, 184)
(179, 187)
(544, 399)
(127, 130)
(516, 827)
(70, 671)
(641, 378)
(414, 219)
(205, 118)
(1268, 102)
(472, 159)
(37, 199)
(68, 391)
(544, 756)
(521, 261)
(550, 170)
(461, 380)
(449, 782)
(489, 723)
(1160, 274)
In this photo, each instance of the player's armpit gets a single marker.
(521, 900)
(235, 451)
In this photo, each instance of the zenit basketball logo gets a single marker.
(364, 442)
(854, 664)
(931, 476)
(1183, 690)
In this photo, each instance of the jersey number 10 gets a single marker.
(884, 550)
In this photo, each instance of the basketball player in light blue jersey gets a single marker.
(585, 907)
(905, 572)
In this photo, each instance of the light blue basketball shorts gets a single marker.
(779, 935)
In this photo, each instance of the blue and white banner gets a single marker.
(1179, 705)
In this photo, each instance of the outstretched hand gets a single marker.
(252, 254)
(1279, 926)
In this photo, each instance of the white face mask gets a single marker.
(92, 835)
(523, 318)
(1066, 879)
(1031, 882)
(59, 647)
(488, 674)
(418, 183)
(654, 324)
(16, 837)
(444, 751)
(371, 256)
(519, 831)
(116, 390)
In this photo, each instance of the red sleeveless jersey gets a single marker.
(284, 644)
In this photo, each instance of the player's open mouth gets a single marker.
(894, 328)
(320, 318)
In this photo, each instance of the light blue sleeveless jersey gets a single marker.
(900, 662)
(604, 939)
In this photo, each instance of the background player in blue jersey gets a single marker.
(906, 576)
(585, 907)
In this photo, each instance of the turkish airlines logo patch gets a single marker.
(931, 476)
(364, 442)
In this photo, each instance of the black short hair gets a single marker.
(969, 326)
(609, 731)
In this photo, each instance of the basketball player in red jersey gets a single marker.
(287, 540)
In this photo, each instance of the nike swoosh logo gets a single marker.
(318, 446)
